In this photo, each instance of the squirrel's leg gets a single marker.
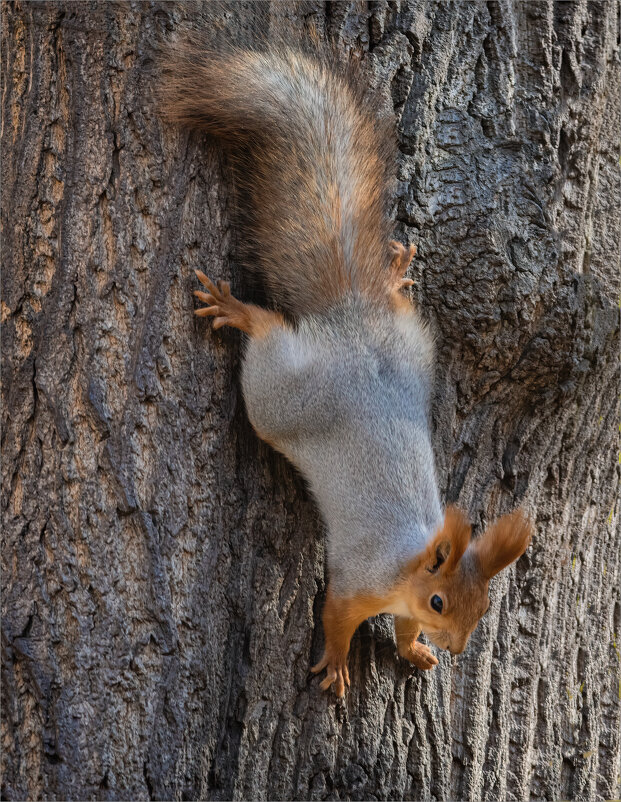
(407, 630)
(228, 311)
(341, 618)
(401, 258)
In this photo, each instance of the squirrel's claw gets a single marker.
(205, 297)
(337, 674)
(208, 311)
(320, 665)
(205, 281)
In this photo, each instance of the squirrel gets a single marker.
(338, 377)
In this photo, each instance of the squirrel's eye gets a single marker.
(436, 603)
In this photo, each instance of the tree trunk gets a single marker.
(163, 569)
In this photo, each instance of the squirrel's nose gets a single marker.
(457, 649)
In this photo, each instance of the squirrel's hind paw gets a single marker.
(336, 673)
(401, 257)
(228, 311)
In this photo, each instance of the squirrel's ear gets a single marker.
(503, 542)
(449, 543)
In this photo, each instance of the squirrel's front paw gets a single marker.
(336, 672)
(420, 655)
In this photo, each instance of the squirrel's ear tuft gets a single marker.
(503, 542)
(449, 543)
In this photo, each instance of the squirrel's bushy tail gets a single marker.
(312, 164)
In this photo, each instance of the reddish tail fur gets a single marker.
(313, 164)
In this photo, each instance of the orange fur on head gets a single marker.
(458, 570)
(501, 544)
(440, 570)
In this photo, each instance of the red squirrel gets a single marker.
(338, 376)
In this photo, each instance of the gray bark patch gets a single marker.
(163, 570)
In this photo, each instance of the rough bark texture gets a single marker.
(163, 570)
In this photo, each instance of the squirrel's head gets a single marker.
(448, 582)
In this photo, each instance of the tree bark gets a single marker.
(163, 570)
